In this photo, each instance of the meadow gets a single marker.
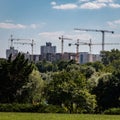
(39, 116)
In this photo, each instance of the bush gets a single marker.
(112, 111)
(31, 108)
(16, 107)
(54, 109)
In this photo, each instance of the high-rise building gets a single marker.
(83, 57)
(48, 52)
(48, 48)
(12, 52)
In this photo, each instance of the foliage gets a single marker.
(68, 88)
(62, 65)
(85, 102)
(93, 81)
(16, 107)
(89, 71)
(32, 92)
(47, 76)
(63, 85)
(73, 67)
(109, 56)
(98, 66)
(53, 109)
(112, 111)
(108, 91)
(45, 66)
(40, 108)
(13, 76)
(116, 65)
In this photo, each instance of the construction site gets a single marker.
(48, 52)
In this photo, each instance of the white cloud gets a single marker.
(68, 6)
(92, 5)
(114, 24)
(104, 1)
(110, 24)
(116, 36)
(83, 0)
(72, 35)
(113, 5)
(51, 35)
(117, 21)
(81, 36)
(86, 4)
(12, 26)
(9, 25)
(34, 26)
(9, 21)
(53, 3)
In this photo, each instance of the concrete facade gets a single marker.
(48, 49)
(83, 57)
(48, 53)
(11, 51)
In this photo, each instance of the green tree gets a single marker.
(98, 66)
(45, 66)
(62, 65)
(33, 91)
(69, 89)
(13, 76)
(108, 91)
(109, 56)
(116, 65)
(88, 71)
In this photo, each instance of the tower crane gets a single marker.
(90, 47)
(62, 42)
(15, 39)
(26, 43)
(90, 44)
(102, 31)
(77, 49)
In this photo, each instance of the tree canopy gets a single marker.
(13, 75)
(68, 89)
(76, 88)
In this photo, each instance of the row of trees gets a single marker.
(19, 81)
(91, 87)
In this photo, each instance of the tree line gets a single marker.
(87, 88)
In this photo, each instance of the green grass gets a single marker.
(38, 116)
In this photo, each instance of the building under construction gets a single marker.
(48, 53)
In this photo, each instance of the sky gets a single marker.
(47, 20)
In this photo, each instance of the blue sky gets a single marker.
(46, 20)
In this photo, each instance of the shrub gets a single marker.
(31, 108)
(112, 111)
(16, 107)
(54, 109)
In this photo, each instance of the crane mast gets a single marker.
(15, 39)
(77, 50)
(62, 43)
(32, 45)
(22, 43)
(78, 43)
(102, 31)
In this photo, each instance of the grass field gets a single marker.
(38, 116)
